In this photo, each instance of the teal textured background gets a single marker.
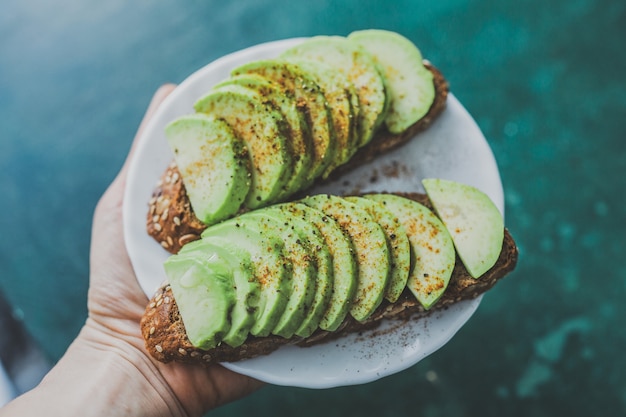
(544, 80)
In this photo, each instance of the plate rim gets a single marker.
(129, 226)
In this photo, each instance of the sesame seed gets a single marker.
(170, 241)
(152, 201)
(194, 354)
(155, 218)
(166, 213)
(165, 245)
(168, 179)
(186, 239)
(159, 303)
(152, 305)
(158, 296)
(176, 220)
(157, 227)
(152, 330)
(166, 300)
(206, 357)
(182, 351)
(175, 177)
(158, 348)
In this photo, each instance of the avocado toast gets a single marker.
(173, 220)
(168, 337)
(281, 269)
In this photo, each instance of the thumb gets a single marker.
(112, 198)
(107, 242)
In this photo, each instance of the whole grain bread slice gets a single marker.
(170, 218)
(166, 339)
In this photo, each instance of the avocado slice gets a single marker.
(397, 242)
(473, 220)
(258, 124)
(344, 270)
(301, 292)
(297, 130)
(343, 104)
(372, 254)
(410, 87)
(318, 251)
(271, 270)
(204, 292)
(300, 85)
(360, 68)
(431, 244)
(247, 289)
(214, 165)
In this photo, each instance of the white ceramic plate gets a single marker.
(452, 148)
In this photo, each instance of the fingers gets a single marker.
(159, 96)
(113, 195)
(157, 99)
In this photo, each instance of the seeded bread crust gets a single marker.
(166, 339)
(172, 223)
(171, 220)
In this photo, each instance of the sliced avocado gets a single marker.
(473, 220)
(344, 270)
(213, 163)
(302, 290)
(360, 68)
(432, 247)
(247, 289)
(343, 104)
(311, 238)
(258, 124)
(368, 240)
(397, 242)
(410, 87)
(297, 130)
(271, 270)
(301, 85)
(205, 297)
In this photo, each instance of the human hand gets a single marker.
(107, 370)
(116, 303)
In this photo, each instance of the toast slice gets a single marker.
(166, 338)
(172, 222)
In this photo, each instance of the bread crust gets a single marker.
(170, 218)
(166, 339)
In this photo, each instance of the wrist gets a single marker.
(103, 379)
